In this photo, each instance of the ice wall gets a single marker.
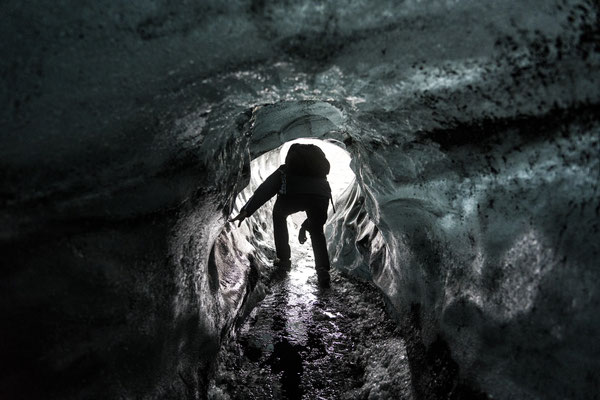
(127, 129)
(494, 245)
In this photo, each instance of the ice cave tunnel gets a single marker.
(464, 244)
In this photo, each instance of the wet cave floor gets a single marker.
(302, 342)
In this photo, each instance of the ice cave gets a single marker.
(465, 239)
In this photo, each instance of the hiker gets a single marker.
(301, 185)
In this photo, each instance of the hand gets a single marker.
(240, 217)
(302, 236)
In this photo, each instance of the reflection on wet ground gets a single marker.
(305, 343)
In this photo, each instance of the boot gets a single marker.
(323, 279)
(282, 264)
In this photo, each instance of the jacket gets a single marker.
(282, 183)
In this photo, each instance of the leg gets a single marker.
(283, 207)
(317, 215)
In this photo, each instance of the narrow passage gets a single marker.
(305, 343)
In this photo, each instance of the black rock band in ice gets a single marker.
(301, 185)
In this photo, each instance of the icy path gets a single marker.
(305, 343)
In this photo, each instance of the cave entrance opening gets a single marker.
(340, 178)
(301, 279)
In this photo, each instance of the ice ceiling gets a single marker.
(128, 129)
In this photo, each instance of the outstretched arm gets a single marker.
(261, 195)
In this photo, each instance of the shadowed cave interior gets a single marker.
(464, 249)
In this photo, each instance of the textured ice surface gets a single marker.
(127, 131)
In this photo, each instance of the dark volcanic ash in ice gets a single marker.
(128, 130)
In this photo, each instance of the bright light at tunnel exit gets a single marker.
(340, 176)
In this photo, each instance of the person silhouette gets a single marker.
(300, 185)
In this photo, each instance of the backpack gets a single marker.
(307, 160)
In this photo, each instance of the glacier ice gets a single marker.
(128, 131)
